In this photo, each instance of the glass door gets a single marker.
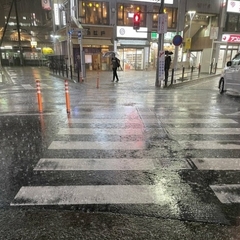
(131, 58)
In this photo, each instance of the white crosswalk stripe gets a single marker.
(98, 194)
(102, 194)
(82, 164)
(217, 163)
(213, 126)
(125, 194)
(105, 131)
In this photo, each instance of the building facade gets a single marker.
(26, 29)
(83, 29)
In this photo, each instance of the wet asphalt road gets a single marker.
(130, 161)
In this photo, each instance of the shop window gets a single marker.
(125, 14)
(232, 22)
(94, 12)
(172, 17)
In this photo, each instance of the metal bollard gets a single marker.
(39, 96)
(215, 68)
(66, 70)
(172, 76)
(97, 79)
(67, 97)
(183, 70)
(71, 71)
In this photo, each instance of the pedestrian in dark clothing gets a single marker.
(167, 66)
(115, 65)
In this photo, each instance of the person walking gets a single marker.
(115, 65)
(167, 65)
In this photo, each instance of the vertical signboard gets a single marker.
(161, 73)
(214, 33)
(162, 23)
(56, 14)
(188, 43)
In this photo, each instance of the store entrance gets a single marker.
(131, 58)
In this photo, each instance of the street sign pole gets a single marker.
(81, 55)
(160, 48)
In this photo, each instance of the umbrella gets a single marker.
(168, 52)
(110, 54)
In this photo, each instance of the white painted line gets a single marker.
(233, 114)
(217, 163)
(136, 145)
(105, 131)
(227, 193)
(96, 121)
(186, 131)
(84, 164)
(231, 144)
(103, 194)
(194, 120)
(27, 87)
(44, 85)
(158, 104)
(26, 114)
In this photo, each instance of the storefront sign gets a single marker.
(129, 32)
(231, 38)
(168, 37)
(47, 51)
(233, 6)
(154, 1)
(46, 4)
(204, 6)
(95, 32)
(33, 44)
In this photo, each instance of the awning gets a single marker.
(131, 42)
(96, 42)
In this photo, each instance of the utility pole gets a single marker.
(19, 35)
(4, 31)
(176, 47)
(160, 46)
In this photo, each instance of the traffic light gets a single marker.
(136, 21)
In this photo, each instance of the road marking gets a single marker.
(194, 120)
(184, 131)
(27, 114)
(102, 194)
(220, 144)
(105, 131)
(96, 121)
(139, 102)
(217, 163)
(227, 193)
(27, 87)
(85, 164)
(136, 145)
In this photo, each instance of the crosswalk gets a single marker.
(128, 125)
(131, 122)
(214, 136)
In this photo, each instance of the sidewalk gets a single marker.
(145, 78)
